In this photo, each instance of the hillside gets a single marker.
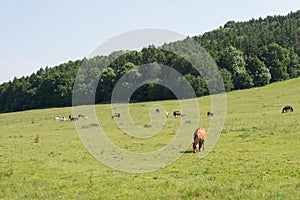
(256, 157)
(249, 54)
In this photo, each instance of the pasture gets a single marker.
(256, 157)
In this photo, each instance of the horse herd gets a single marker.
(175, 114)
(71, 118)
(199, 134)
(178, 113)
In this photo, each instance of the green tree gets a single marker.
(106, 85)
(277, 60)
(227, 79)
(198, 84)
(259, 71)
(233, 61)
(294, 65)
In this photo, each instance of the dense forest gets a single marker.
(248, 54)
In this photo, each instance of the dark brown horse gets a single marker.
(73, 118)
(177, 113)
(199, 136)
(210, 114)
(287, 108)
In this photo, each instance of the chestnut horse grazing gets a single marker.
(287, 108)
(199, 136)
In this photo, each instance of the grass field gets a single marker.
(256, 157)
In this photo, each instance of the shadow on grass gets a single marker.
(187, 151)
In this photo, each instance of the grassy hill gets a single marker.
(256, 157)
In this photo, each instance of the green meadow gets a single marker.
(257, 155)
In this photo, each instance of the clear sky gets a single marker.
(39, 33)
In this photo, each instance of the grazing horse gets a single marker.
(177, 113)
(287, 108)
(73, 118)
(81, 116)
(63, 119)
(210, 114)
(116, 115)
(157, 110)
(199, 136)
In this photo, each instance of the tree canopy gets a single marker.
(248, 54)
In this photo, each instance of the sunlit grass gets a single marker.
(256, 157)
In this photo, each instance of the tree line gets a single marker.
(248, 54)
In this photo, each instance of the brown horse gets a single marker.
(117, 115)
(210, 114)
(73, 118)
(287, 108)
(177, 113)
(81, 116)
(199, 136)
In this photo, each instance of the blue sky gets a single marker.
(35, 33)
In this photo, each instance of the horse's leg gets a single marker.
(195, 146)
(200, 144)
